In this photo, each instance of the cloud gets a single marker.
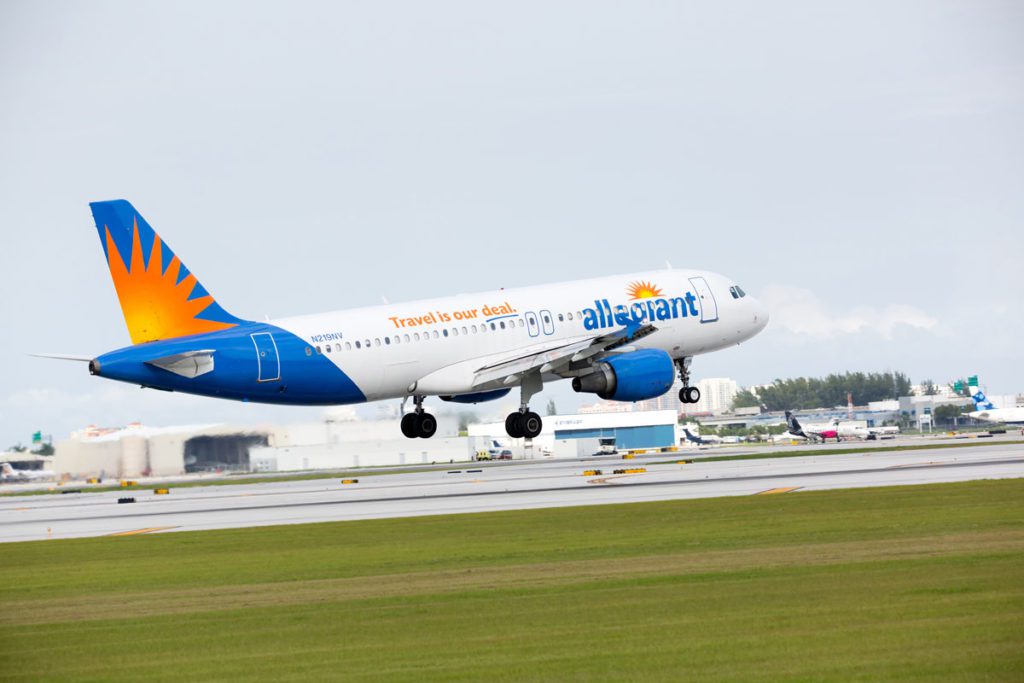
(803, 313)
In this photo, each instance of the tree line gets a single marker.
(802, 393)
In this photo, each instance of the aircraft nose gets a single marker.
(761, 314)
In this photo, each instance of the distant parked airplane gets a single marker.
(624, 337)
(9, 474)
(701, 440)
(987, 412)
(822, 435)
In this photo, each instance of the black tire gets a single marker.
(428, 425)
(532, 424)
(692, 394)
(410, 425)
(682, 395)
(514, 425)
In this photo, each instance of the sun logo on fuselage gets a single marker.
(642, 290)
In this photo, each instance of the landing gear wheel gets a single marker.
(428, 425)
(689, 394)
(531, 424)
(514, 425)
(411, 425)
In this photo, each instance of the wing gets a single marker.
(558, 358)
(562, 359)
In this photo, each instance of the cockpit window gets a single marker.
(735, 294)
(739, 290)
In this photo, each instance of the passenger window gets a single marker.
(406, 338)
(493, 327)
(387, 340)
(445, 332)
(376, 341)
(357, 345)
(435, 334)
(547, 318)
(464, 330)
(367, 343)
(327, 348)
(348, 346)
(560, 317)
(455, 332)
(318, 351)
(521, 323)
(309, 351)
(502, 326)
(416, 336)
(473, 328)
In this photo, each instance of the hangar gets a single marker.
(578, 435)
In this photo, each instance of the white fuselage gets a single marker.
(1000, 415)
(435, 346)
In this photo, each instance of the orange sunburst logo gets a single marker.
(642, 290)
(155, 305)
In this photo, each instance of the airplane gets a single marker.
(865, 433)
(701, 440)
(623, 337)
(9, 474)
(986, 411)
(823, 434)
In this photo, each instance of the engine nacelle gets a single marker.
(634, 376)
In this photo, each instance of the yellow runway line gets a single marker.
(148, 530)
(786, 489)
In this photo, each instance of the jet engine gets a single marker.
(633, 376)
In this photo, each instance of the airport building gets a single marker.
(141, 451)
(580, 434)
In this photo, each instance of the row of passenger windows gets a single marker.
(412, 337)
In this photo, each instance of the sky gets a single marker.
(856, 165)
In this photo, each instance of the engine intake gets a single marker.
(634, 376)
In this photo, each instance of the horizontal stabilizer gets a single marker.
(61, 356)
(189, 364)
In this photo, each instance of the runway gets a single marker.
(471, 488)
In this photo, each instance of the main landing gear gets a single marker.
(523, 424)
(419, 423)
(687, 394)
(526, 423)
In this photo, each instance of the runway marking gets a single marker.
(147, 530)
(785, 489)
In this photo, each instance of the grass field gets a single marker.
(920, 582)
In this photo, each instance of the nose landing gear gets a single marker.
(687, 394)
(419, 423)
